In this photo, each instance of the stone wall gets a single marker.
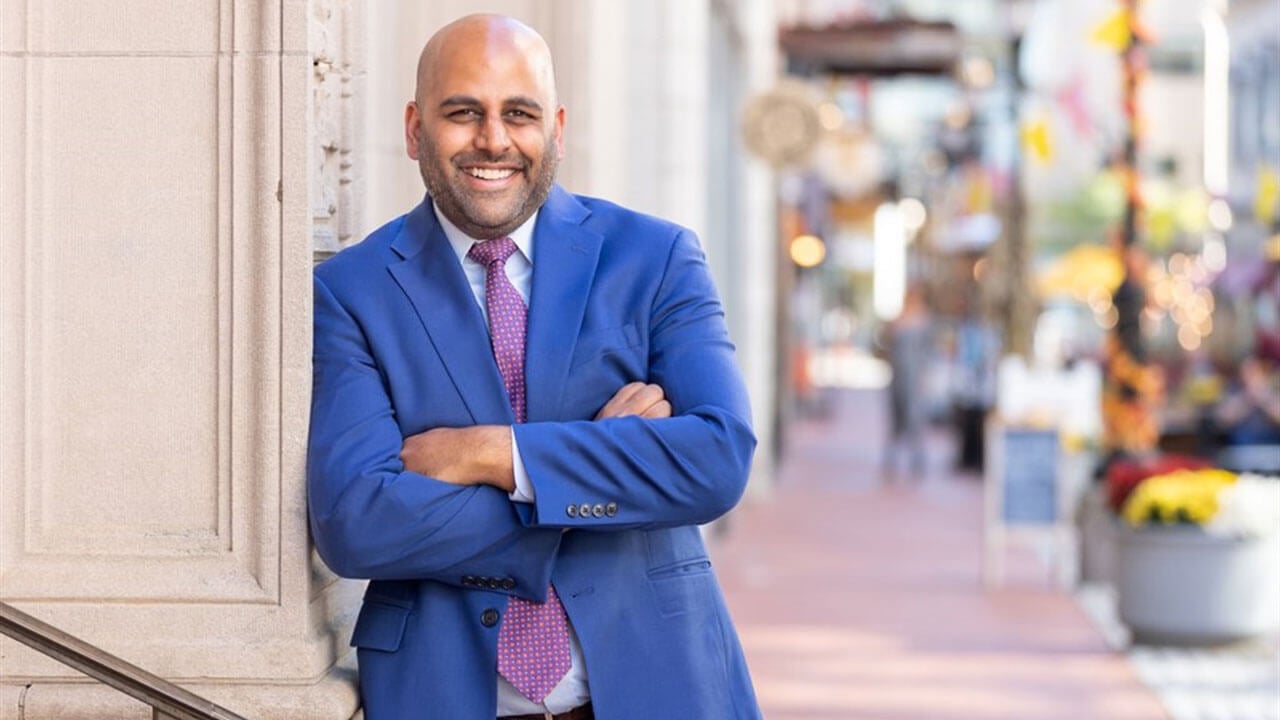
(156, 207)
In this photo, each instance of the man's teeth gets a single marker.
(491, 173)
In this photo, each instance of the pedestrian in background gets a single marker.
(977, 354)
(909, 348)
(1250, 411)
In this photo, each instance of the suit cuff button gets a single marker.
(611, 509)
(468, 581)
(584, 510)
(508, 584)
(597, 510)
(572, 511)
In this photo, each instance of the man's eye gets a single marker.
(520, 115)
(464, 114)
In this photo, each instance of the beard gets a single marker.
(473, 213)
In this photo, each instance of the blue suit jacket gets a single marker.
(401, 347)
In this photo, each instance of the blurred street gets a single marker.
(858, 599)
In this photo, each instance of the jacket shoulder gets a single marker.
(611, 219)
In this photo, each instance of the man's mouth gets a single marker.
(490, 173)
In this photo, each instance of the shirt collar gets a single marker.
(461, 242)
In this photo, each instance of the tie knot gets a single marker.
(493, 251)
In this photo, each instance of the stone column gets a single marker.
(758, 246)
(156, 211)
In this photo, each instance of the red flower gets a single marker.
(1123, 475)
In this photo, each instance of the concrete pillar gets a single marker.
(758, 244)
(156, 205)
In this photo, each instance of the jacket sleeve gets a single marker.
(371, 518)
(630, 472)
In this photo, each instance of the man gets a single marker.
(525, 403)
(909, 348)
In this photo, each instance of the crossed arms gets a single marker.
(434, 505)
(481, 454)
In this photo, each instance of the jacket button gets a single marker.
(584, 510)
(468, 581)
(508, 584)
(572, 510)
(611, 509)
(489, 617)
(597, 510)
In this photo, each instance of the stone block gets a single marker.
(177, 27)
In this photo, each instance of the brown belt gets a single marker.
(579, 713)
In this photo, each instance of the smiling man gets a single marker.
(488, 173)
(525, 402)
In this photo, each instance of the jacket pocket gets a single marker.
(599, 343)
(380, 627)
(683, 589)
(676, 550)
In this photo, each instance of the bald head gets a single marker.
(484, 124)
(484, 38)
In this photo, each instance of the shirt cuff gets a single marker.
(524, 488)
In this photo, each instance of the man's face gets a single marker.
(486, 134)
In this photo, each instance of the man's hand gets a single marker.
(462, 456)
(481, 454)
(637, 398)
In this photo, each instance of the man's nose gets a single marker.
(493, 135)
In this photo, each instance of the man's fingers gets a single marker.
(626, 394)
(632, 399)
(618, 401)
(646, 397)
(658, 410)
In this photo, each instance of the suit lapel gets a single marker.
(564, 264)
(437, 287)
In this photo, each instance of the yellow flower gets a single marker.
(1182, 496)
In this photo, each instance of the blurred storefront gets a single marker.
(1026, 158)
(909, 181)
(1096, 181)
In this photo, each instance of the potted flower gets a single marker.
(1102, 504)
(1198, 558)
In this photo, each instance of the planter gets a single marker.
(1181, 585)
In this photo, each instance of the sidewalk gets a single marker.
(856, 599)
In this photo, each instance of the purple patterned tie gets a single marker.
(533, 641)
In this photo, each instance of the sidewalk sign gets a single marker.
(1024, 500)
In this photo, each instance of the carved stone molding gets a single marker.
(336, 34)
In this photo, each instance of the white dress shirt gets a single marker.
(572, 690)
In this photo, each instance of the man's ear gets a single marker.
(559, 132)
(412, 129)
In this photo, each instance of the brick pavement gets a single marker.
(857, 599)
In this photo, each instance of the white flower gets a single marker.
(1249, 507)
